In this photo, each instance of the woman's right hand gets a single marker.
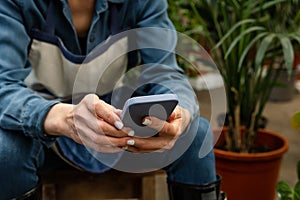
(92, 122)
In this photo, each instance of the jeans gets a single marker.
(22, 158)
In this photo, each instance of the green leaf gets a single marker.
(284, 190)
(296, 36)
(236, 4)
(297, 191)
(246, 50)
(239, 37)
(263, 47)
(230, 31)
(288, 52)
(267, 5)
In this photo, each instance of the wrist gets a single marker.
(55, 123)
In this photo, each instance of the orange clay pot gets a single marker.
(255, 175)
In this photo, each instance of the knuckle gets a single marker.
(87, 99)
(103, 128)
(117, 143)
(168, 128)
(93, 105)
(100, 140)
(122, 142)
(91, 101)
(158, 125)
(170, 145)
(109, 117)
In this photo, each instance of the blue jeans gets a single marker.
(22, 158)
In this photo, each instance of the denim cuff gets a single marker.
(33, 116)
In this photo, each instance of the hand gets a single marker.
(92, 122)
(168, 132)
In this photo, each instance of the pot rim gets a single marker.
(272, 154)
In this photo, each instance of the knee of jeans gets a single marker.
(204, 138)
(204, 124)
(200, 155)
(203, 129)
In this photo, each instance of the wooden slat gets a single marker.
(76, 185)
(155, 187)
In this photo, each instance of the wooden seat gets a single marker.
(76, 185)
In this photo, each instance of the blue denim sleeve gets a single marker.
(157, 41)
(20, 109)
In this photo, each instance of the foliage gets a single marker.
(285, 192)
(295, 120)
(184, 21)
(247, 40)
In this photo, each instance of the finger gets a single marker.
(152, 144)
(103, 111)
(163, 127)
(128, 131)
(105, 148)
(104, 128)
(96, 141)
(172, 117)
(117, 111)
(109, 130)
(116, 142)
(136, 150)
(99, 126)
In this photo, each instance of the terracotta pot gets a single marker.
(252, 176)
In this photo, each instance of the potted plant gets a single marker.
(248, 40)
(286, 192)
(285, 89)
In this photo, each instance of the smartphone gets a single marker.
(136, 108)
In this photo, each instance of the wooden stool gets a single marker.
(77, 185)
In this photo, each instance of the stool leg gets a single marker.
(49, 191)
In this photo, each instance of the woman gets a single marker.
(59, 64)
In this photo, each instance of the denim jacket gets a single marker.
(24, 111)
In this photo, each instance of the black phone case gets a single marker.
(160, 106)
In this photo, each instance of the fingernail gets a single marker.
(147, 122)
(119, 125)
(131, 142)
(125, 148)
(117, 110)
(131, 133)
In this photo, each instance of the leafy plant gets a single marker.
(247, 40)
(295, 121)
(285, 192)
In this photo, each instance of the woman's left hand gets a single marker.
(168, 132)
